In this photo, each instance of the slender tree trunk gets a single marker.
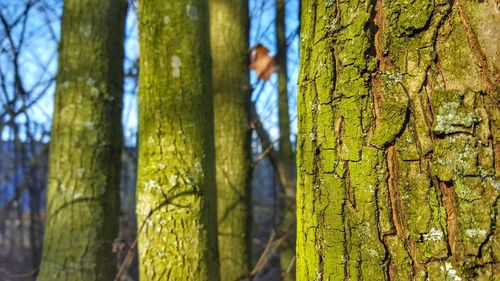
(86, 143)
(287, 161)
(399, 141)
(285, 145)
(176, 195)
(229, 43)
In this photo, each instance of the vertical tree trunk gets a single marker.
(176, 196)
(285, 145)
(399, 141)
(229, 43)
(287, 161)
(83, 183)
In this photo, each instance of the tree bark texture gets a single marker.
(176, 195)
(399, 141)
(86, 143)
(229, 43)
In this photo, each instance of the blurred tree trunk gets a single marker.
(285, 153)
(86, 143)
(399, 141)
(176, 195)
(229, 43)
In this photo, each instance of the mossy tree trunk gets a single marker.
(229, 43)
(285, 153)
(86, 143)
(399, 141)
(176, 196)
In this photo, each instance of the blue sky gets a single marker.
(37, 57)
(38, 62)
(262, 30)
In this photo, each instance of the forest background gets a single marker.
(29, 38)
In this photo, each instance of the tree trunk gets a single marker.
(86, 143)
(287, 161)
(285, 145)
(229, 42)
(176, 196)
(399, 141)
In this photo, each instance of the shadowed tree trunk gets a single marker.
(176, 195)
(285, 153)
(285, 145)
(399, 143)
(83, 183)
(229, 43)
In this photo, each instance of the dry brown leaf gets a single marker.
(262, 62)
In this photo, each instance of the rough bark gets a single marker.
(399, 141)
(86, 143)
(229, 43)
(176, 195)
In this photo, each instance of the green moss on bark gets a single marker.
(83, 182)
(229, 43)
(176, 195)
(392, 157)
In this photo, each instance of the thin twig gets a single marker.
(127, 261)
